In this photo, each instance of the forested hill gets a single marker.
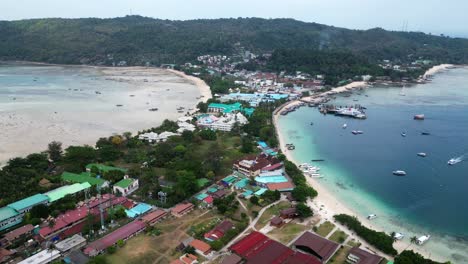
(138, 40)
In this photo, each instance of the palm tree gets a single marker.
(414, 239)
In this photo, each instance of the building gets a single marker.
(317, 246)
(154, 217)
(289, 213)
(223, 123)
(17, 233)
(61, 192)
(265, 178)
(5, 254)
(256, 248)
(277, 221)
(219, 231)
(229, 108)
(360, 256)
(252, 166)
(126, 186)
(231, 259)
(24, 205)
(71, 243)
(9, 217)
(123, 233)
(140, 209)
(76, 257)
(104, 168)
(182, 209)
(200, 247)
(186, 259)
(42, 257)
(281, 186)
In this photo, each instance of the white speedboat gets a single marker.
(399, 173)
(423, 239)
(422, 154)
(345, 126)
(398, 236)
(371, 216)
(454, 161)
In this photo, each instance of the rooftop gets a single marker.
(281, 186)
(140, 209)
(124, 183)
(155, 215)
(104, 168)
(271, 179)
(28, 202)
(70, 243)
(364, 256)
(200, 245)
(18, 232)
(181, 207)
(202, 182)
(81, 178)
(316, 245)
(7, 212)
(61, 192)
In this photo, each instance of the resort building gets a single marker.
(252, 166)
(140, 209)
(360, 256)
(154, 217)
(123, 233)
(281, 186)
(126, 186)
(182, 209)
(42, 257)
(219, 231)
(223, 123)
(315, 245)
(152, 137)
(258, 248)
(229, 108)
(271, 177)
(254, 99)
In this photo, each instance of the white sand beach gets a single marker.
(80, 110)
(436, 69)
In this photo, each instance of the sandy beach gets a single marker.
(83, 105)
(436, 69)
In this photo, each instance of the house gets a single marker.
(45, 256)
(126, 186)
(281, 186)
(165, 135)
(182, 209)
(123, 233)
(360, 256)
(277, 221)
(154, 217)
(317, 246)
(208, 201)
(289, 213)
(252, 166)
(17, 233)
(184, 126)
(219, 231)
(200, 247)
(189, 259)
(228, 181)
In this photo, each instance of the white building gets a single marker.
(183, 126)
(126, 186)
(154, 137)
(42, 257)
(223, 123)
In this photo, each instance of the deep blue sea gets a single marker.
(433, 197)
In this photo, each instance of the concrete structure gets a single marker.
(71, 243)
(126, 186)
(42, 257)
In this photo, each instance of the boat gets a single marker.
(119, 105)
(345, 126)
(357, 132)
(423, 239)
(418, 117)
(425, 133)
(454, 161)
(403, 134)
(304, 165)
(399, 173)
(371, 216)
(422, 154)
(291, 147)
(153, 109)
(97, 92)
(398, 236)
(311, 123)
(317, 160)
(350, 112)
(316, 175)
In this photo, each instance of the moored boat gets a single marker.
(419, 117)
(422, 154)
(357, 132)
(371, 216)
(399, 173)
(423, 239)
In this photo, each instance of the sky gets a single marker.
(431, 16)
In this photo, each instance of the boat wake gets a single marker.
(456, 160)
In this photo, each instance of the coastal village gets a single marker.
(252, 214)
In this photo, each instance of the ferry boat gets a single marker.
(357, 132)
(419, 117)
(423, 239)
(351, 112)
(399, 173)
(371, 216)
(422, 154)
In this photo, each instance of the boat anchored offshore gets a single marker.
(345, 126)
(422, 154)
(403, 134)
(371, 216)
(399, 173)
(419, 117)
(357, 132)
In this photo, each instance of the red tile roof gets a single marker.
(12, 235)
(208, 199)
(287, 186)
(112, 238)
(248, 243)
(232, 259)
(316, 245)
(200, 245)
(181, 208)
(273, 167)
(219, 231)
(154, 216)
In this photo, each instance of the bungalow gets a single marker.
(289, 213)
(182, 209)
(277, 221)
(200, 247)
(219, 231)
(126, 186)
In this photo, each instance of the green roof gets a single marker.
(7, 212)
(227, 108)
(202, 182)
(212, 190)
(201, 196)
(59, 193)
(81, 178)
(248, 111)
(229, 179)
(28, 202)
(124, 183)
(104, 168)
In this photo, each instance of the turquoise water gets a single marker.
(433, 197)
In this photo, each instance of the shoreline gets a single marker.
(326, 204)
(137, 88)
